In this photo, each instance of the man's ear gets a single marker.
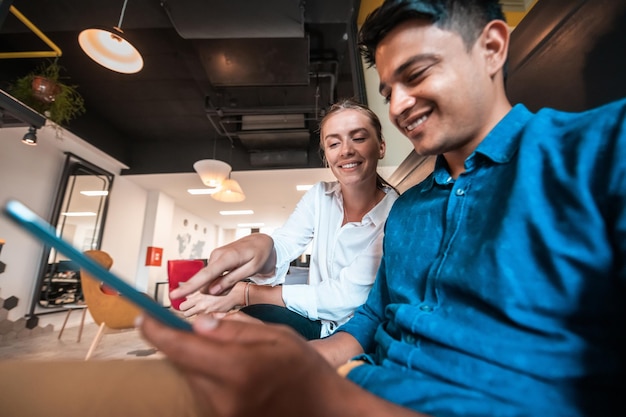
(495, 44)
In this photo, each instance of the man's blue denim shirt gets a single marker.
(503, 292)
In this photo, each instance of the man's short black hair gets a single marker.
(465, 17)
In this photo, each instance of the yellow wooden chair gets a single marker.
(109, 309)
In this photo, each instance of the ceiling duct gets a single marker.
(272, 121)
(269, 139)
(255, 62)
(269, 131)
(228, 19)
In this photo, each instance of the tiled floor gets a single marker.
(126, 344)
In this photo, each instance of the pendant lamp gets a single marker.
(109, 48)
(230, 192)
(212, 172)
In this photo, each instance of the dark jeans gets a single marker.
(269, 313)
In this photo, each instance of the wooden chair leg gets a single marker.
(67, 316)
(82, 324)
(95, 342)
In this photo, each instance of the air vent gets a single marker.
(293, 158)
(272, 121)
(274, 139)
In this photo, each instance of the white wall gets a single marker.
(191, 237)
(398, 146)
(125, 219)
(30, 174)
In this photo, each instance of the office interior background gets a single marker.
(147, 129)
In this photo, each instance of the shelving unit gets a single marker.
(61, 285)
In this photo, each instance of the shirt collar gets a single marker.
(378, 214)
(335, 189)
(500, 145)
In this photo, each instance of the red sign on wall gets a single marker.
(154, 256)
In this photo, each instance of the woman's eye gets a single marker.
(358, 139)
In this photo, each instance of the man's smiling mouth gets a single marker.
(417, 122)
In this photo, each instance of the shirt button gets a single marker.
(426, 309)
(460, 192)
(409, 338)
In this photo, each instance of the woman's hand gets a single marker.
(229, 264)
(198, 302)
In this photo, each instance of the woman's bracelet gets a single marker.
(246, 297)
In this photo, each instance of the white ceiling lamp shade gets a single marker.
(230, 192)
(212, 172)
(109, 48)
(215, 174)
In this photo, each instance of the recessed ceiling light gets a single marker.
(201, 191)
(305, 187)
(250, 225)
(78, 214)
(235, 212)
(94, 193)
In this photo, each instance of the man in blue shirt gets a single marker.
(501, 290)
(502, 286)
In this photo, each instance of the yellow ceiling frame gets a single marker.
(55, 52)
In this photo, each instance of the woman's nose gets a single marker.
(347, 148)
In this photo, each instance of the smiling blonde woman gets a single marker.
(343, 223)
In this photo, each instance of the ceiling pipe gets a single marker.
(226, 111)
(220, 112)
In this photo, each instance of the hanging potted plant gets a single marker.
(43, 91)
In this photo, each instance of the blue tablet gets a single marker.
(29, 221)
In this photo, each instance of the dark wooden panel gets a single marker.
(569, 55)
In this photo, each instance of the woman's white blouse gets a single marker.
(344, 260)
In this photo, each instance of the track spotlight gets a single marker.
(30, 138)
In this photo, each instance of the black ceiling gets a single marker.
(211, 68)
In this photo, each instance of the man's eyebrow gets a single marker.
(411, 61)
